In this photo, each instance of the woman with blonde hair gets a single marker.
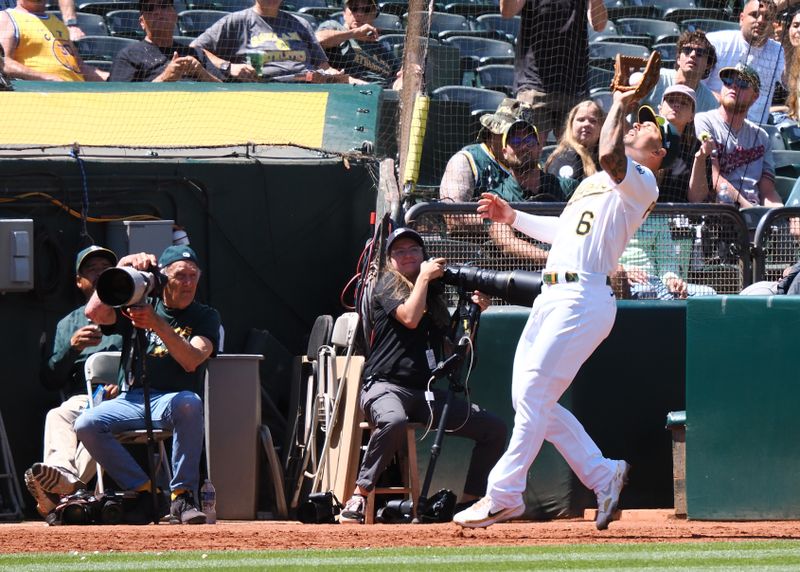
(575, 156)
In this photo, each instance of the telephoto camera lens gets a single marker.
(111, 513)
(75, 513)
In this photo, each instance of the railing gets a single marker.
(707, 245)
(777, 243)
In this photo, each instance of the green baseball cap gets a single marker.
(92, 251)
(175, 253)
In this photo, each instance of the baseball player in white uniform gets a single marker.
(574, 313)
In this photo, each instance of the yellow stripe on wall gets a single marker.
(163, 118)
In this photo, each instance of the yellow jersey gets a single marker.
(42, 44)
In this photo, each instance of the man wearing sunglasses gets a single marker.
(751, 45)
(352, 45)
(744, 152)
(695, 59)
(504, 162)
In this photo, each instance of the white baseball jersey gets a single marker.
(600, 218)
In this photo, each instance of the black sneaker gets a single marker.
(139, 509)
(185, 511)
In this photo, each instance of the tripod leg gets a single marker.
(435, 450)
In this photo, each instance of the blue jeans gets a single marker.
(181, 412)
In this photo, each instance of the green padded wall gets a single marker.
(621, 395)
(742, 396)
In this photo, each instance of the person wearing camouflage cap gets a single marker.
(751, 44)
(743, 166)
(505, 161)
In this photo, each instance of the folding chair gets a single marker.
(103, 368)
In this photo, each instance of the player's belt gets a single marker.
(551, 278)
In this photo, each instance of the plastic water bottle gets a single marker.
(724, 196)
(208, 502)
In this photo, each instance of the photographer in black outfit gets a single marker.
(410, 318)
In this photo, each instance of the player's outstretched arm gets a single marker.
(611, 148)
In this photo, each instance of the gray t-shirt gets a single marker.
(744, 155)
(287, 41)
(706, 100)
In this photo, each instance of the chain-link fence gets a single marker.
(777, 243)
(705, 245)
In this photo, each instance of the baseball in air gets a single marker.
(636, 78)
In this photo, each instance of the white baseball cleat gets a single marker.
(608, 498)
(485, 513)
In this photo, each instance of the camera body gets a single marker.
(518, 287)
(125, 286)
(82, 507)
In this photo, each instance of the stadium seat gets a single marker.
(660, 31)
(183, 40)
(775, 137)
(124, 24)
(791, 136)
(393, 7)
(442, 22)
(669, 52)
(480, 100)
(787, 163)
(784, 187)
(103, 7)
(630, 9)
(603, 54)
(471, 9)
(195, 22)
(102, 48)
(90, 24)
(321, 13)
(707, 25)
(609, 31)
(311, 19)
(498, 77)
(680, 14)
(481, 51)
(296, 5)
(598, 79)
(508, 27)
(388, 24)
(793, 200)
(100, 64)
(224, 5)
(603, 98)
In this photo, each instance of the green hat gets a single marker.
(92, 251)
(176, 253)
(670, 138)
(509, 112)
(745, 72)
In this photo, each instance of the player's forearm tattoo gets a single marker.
(612, 150)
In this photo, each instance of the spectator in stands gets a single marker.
(158, 58)
(632, 283)
(410, 321)
(793, 66)
(37, 46)
(753, 46)
(505, 162)
(66, 465)
(744, 165)
(575, 156)
(287, 43)
(552, 58)
(687, 178)
(352, 45)
(178, 336)
(695, 60)
(788, 284)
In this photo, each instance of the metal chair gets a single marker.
(103, 368)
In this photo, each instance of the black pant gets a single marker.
(388, 407)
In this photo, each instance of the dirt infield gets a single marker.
(635, 526)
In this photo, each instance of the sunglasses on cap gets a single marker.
(361, 8)
(739, 82)
(699, 52)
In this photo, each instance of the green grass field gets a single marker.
(761, 555)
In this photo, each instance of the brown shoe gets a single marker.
(45, 501)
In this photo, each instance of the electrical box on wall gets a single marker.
(131, 236)
(16, 255)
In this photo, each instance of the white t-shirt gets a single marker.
(600, 218)
(767, 61)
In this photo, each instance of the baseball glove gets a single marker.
(626, 66)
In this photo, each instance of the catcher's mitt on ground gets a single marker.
(636, 74)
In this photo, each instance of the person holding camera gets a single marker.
(409, 321)
(66, 465)
(574, 313)
(180, 335)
